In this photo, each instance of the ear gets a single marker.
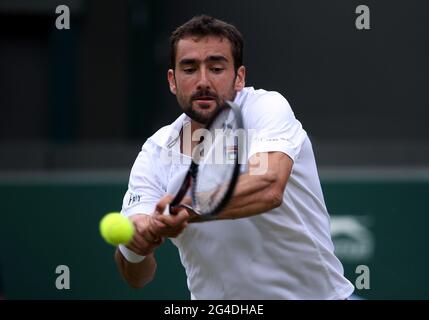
(240, 79)
(172, 81)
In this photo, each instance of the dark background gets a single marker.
(76, 105)
(99, 90)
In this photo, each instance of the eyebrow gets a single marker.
(215, 58)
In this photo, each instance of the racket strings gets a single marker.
(217, 162)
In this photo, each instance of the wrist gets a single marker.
(129, 255)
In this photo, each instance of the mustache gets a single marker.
(204, 94)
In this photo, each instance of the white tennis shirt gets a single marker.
(285, 253)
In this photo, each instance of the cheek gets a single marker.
(183, 85)
(182, 93)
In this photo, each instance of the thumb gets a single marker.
(187, 201)
(160, 206)
(183, 215)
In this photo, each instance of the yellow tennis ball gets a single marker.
(116, 229)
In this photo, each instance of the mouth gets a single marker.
(204, 101)
(204, 98)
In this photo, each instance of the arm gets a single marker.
(277, 141)
(149, 235)
(137, 275)
(261, 189)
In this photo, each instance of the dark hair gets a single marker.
(202, 26)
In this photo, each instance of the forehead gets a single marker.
(201, 47)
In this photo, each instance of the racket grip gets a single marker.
(167, 210)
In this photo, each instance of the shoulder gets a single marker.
(262, 103)
(251, 99)
(250, 94)
(159, 138)
(167, 135)
(147, 161)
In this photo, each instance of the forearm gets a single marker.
(137, 275)
(261, 189)
(149, 234)
(253, 195)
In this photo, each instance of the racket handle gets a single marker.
(167, 210)
(190, 209)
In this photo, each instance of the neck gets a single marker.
(196, 125)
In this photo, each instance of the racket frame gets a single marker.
(192, 174)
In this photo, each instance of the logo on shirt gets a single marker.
(134, 198)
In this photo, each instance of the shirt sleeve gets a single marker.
(145, 186)
(272, 126)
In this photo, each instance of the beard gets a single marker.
(202, 114)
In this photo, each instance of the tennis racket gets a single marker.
(215, 166)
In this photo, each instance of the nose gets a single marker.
(203, 80)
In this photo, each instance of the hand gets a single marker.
(194, 217)
(169, 225)
(144, 241)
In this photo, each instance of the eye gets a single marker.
(217, 69)
(189, 70)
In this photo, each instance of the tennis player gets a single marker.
(272, 240)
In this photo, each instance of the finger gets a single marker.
(156, 227)
(174, 221)
(140, 222)
(152, 233)
(143, 247)
(138, 249)
(174, 210)
(138, 242)
(182, 217)
(146, 243)
(151, 237)
(170, 230)
(134, 249)
(160, 206)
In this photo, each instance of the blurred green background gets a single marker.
(379, 222)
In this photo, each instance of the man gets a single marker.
(272, 240)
